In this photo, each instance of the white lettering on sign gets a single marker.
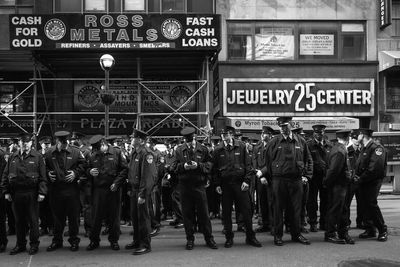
(30, 20)
(307, 99)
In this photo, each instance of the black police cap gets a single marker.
(238, 133)
(45, 140)
(187, 131)
(343, 133)
(139, 134)
(267, 130)
(25, 137)
(95, 139)
(283, 120)
(62, 134)
(215, 138)
(228, 129)
(366, 131)
(319, 128)
(298, 130)
(354, 134)
(77, 135)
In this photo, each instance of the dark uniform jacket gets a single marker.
(25, 173)
(353, 155)
(3, 161)
(287, 159)
(319, 155)
(232, 165)
(72, 160)
(142, 171)
(338, 172)
(259, 155)
(372, 162)
(201, 156)
(111, 165)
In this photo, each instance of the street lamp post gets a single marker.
(107, 62)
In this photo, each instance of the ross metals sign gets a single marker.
(105, 31)
(298, 97)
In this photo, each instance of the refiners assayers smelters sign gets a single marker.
(298, 97)
(123, 31)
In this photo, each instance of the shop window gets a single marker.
(240, 41)
(318, 40)
(396, 18)
(274, 41)
(175, 6)
(392, 93)
(16, 6)
(70, 6)
(204, 6)
(314, 40)
(6, 95)
(95, 5)
(134, 5)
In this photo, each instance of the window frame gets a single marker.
(174, 12)
(393, 18)
(339, 42)
(145, 10)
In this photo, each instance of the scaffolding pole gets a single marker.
(139, 95)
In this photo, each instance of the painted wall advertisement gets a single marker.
(115, 31)
(274, 44)
(87, 96)
(298, 97)
(317, 44)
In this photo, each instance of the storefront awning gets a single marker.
(388, 59)
(332, 123)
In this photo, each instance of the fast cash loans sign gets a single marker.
(123, 31)
(298, 97)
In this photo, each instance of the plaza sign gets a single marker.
(298, 97)
(116, 31)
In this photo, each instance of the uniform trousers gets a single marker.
(140, 221)
(3, 229)
(26, 212)
(232, 193)
(65, 204)
(336, 220)
(106, 206)
(194, 204)
(372, 213)
(287, 195)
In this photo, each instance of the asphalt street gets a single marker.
(168, 249)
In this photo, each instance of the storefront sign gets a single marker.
(106, 31)
(332, 124)
(298, 97)
(87, 96)
(385, 16)
(391, 141)
(274, 47)
(317, 44)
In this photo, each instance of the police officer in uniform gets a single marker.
(65, 166)
(3, 211)
(264, 191)
(288, 164)
(142, 171)
(336, 181)
(24, 183)
(192, 164)
(107, 169)
(369, 173)
(306, 188)
(46, 217)
(85, 194)
(319, 148)
(354, 151)
(233, 176)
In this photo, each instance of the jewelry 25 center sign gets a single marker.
(298, 97)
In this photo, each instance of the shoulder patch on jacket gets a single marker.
(149, 158)
(379, 151)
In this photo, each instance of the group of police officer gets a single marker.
(286, 171)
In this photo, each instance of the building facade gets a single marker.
(51, 77)
(313, 60)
